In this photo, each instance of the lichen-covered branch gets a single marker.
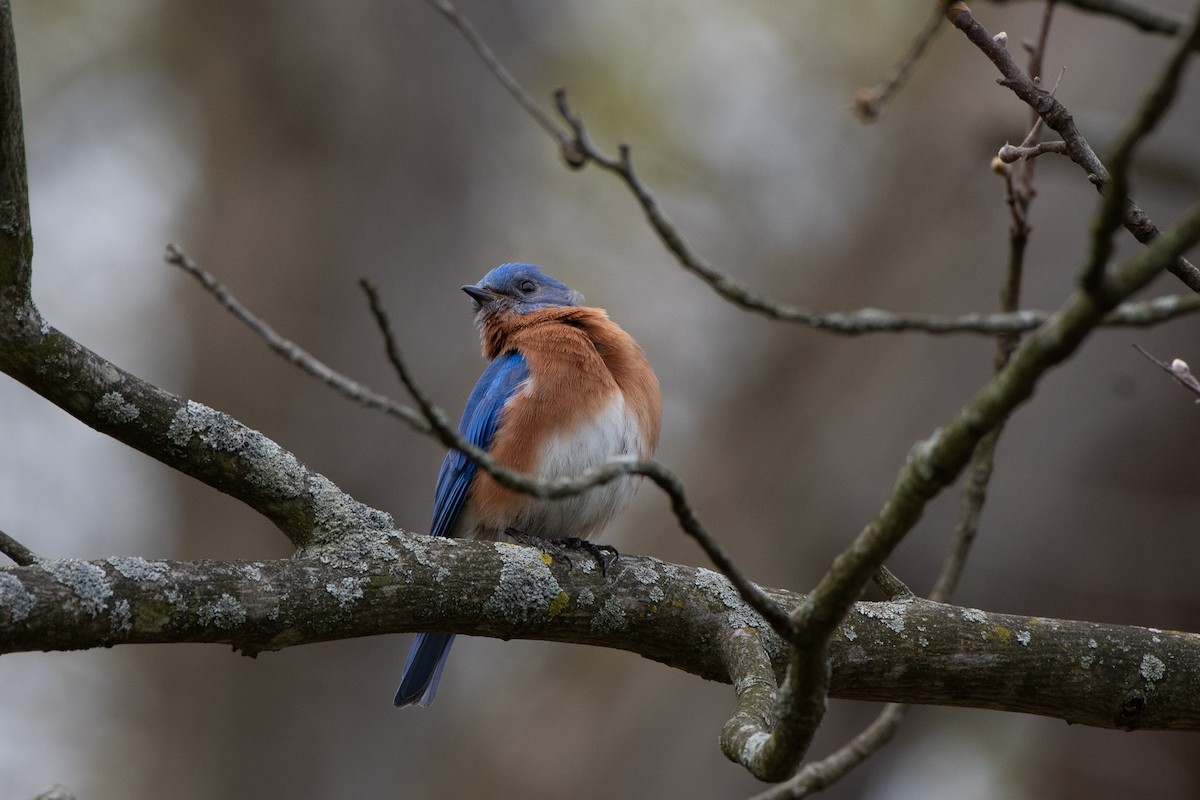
(199, 441)
(1110, 676)
(188, 436)
(753, 677)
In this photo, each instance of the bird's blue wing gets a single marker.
(495, 386)
(427, 656)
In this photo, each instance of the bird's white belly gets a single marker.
(614, 432)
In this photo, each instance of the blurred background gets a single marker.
(293, 147)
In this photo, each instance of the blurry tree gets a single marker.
(351, 574)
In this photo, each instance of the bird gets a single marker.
(565, 389)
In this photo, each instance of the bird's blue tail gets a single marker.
(423, 669)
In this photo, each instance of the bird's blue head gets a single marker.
(521, 288)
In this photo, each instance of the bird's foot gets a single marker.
(605, 555)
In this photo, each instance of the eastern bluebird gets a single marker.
(566, 390)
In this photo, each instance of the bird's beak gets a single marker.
(479, 294)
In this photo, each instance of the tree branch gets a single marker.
(936, 462)
(1011, 153)
(868, 101)
(1109, 676)
(290, 351)
(16, 237)
(354, 576)
(577, 150)
(1019, 195)
(1154, 106)
(19, 553)
(191, 437)
(1139, 17)
(510, 84)
(818, 775)
(1058, 118)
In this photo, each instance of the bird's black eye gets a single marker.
(528, 287)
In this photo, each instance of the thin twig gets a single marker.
(1037, 53)
(1010, 153)
(1141, 18)
(818, 775)
(1019, 194)
(868, 101)
(578, 149)
(510, 84)
(896, 590)
(19, 553)
(292, 352)
(851, 323)
(1177, 369)
(974, 494)
(1020, 186)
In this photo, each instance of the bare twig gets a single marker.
(1019, 194)
(818, 775)
(974, 493)
(1139, 17)
(578, 149)
(1152, 311)
(1019, 183)
(1177, 369)
(852, 323)
(289, 350)
(1010, 153)
(1059, 119)
(510, 84)
(868, 101)
(19, 553)
(1037, 51)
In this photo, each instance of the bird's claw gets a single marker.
(606, 555)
